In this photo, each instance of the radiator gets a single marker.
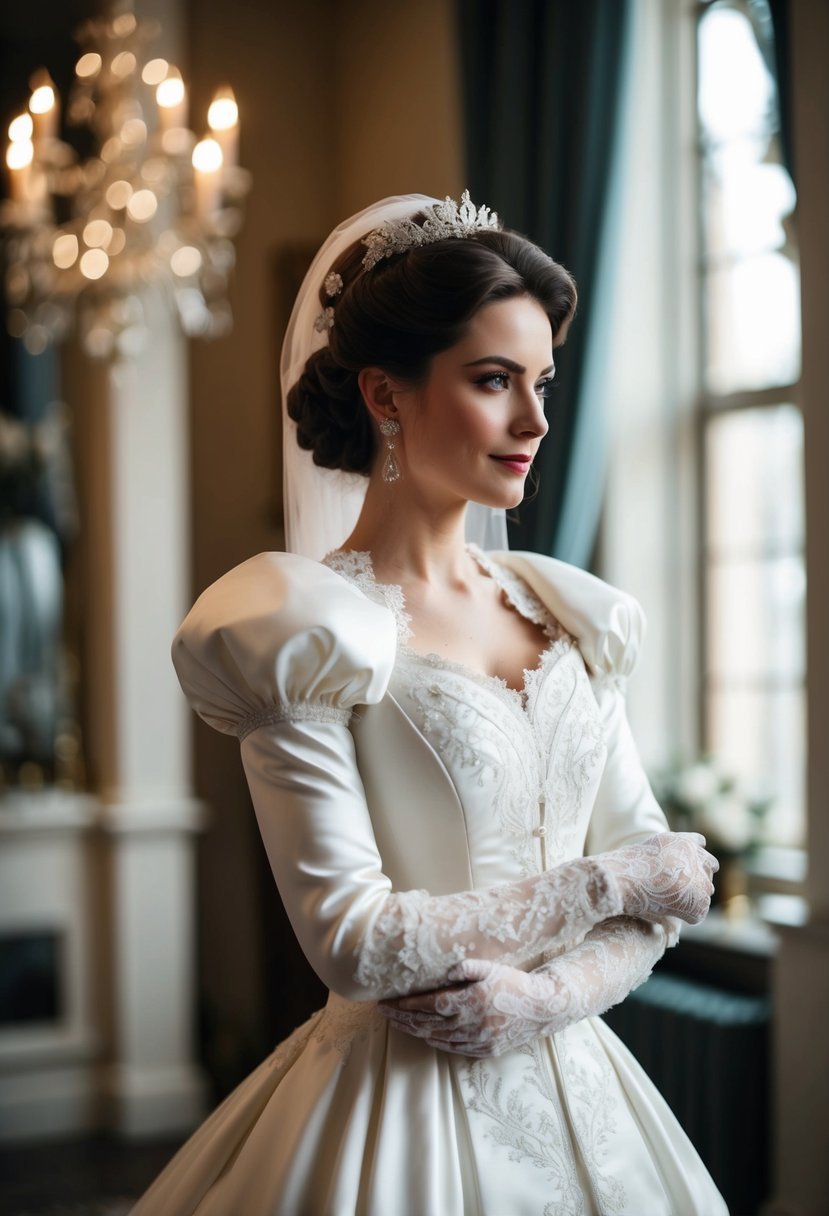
(707, 1051)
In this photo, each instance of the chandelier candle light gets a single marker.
(152, 208)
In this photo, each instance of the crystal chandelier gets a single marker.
(148, 219)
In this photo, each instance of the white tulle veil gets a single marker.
(322, 505)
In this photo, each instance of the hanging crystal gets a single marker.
(390, 427)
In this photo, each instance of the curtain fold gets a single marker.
(781, 32)
(543, 86)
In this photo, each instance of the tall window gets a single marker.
(751, 428)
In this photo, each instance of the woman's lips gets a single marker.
(516, 464)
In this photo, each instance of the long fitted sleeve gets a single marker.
(625, 808)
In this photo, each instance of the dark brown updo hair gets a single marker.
(398, 315)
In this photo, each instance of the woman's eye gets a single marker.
(500, 382)
(494, 380)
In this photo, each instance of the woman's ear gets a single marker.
(378, 390)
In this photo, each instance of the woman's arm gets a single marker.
(368, 942)
(492, 1008)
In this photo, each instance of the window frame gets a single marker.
(775, 868)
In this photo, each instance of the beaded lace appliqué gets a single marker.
(343, 1023)
(502, 761)
(528, 1122)
(356, 567)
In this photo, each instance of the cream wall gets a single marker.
(340, 104)
(398, 125)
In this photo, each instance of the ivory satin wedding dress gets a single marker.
(395, 793)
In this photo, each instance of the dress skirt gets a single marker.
(351, 1117)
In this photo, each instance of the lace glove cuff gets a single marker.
(495, 1007)
(416, 938)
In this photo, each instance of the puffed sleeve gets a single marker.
(279, 652)
(282, 638)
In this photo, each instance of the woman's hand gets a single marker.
(668, 874)
(489, 1008)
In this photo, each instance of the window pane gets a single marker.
(756, 620)
(754, 481)
(759, 739)
(753, 324)
(736, 92)
(750, 272)
(747, 197)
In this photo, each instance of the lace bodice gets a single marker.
(525, 763)
(357, 568)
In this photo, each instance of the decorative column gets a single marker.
(133, 456)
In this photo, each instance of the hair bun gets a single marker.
(326, 405)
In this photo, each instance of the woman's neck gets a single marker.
(408, 540)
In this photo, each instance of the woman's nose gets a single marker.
(530, 419)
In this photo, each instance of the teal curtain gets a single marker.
(543, 92)
(771, 23)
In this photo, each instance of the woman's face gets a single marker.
(471, 431)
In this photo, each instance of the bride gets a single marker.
(435, 740)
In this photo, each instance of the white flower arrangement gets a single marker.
(701, 797)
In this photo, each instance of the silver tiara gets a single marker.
(443, 220)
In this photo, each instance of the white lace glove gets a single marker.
(669, 873)
(492, 1008)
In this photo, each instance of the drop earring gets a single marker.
(389, 428)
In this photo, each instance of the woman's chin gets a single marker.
(504, 500)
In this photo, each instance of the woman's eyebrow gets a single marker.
(509, 364)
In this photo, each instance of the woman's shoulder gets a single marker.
(282, 630)
(608, 623)
(288, 592)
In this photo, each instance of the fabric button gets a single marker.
(542, 831)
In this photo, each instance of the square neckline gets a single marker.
(357, 567)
